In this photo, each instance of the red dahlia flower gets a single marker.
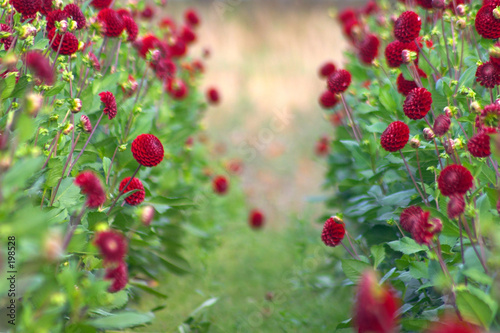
(339, 81)
(453, 325)
(112, 22)
(488, 75)
(147, 150)
(55, 16)
(46, 7)
(213, 96)
(455, 179)
(176, 88)
(178, 48)
(109, 104)
(328, 100)
(368, 49)
(112, 245)
(148, 42)
(69, 44)
(91, 186)
(394, 50)
(417, 103)
(40, 66)
(323, 146)
(376, 306)
(395, 136)
(192, 18)
(118, 276)
(220, 184)
(441, 125)
(148, 12)
(456, 206)
(187, 34)
(7, 41)
(405, 86)
(135, 198)
(427, 4)
(333, 232)
(487, 25)
(256, 219)
(490, 116)
(100, 4)
(479, 144)
(424, 230)
(407, 27)
(76, 14)
(131, 28)
(409, 217)
(326, 69)
(27, 7)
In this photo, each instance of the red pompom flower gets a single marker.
(131, 28)
(441, 125)
(407, 27)
(256, 219)
(488, 75)
(40, 66)
(417, 103)
(147, 150)
(479, 144)
(91, 186)
(112, 245)
(109, 104)
(192, 18)
(394, 50)
(220, 184)
(487, 25)
(118, 277)
(27, 7)
(405, 86)
(69, 44)
(112, 22)
(333, 232)
(455, 179)
(135, 198)
(395, 136)
(328, 100)
(100, 4)
(213, 96)
(339, 81)
(326, 69)
(368, 49)
(456, 206)
(409, 217)
(76, 14)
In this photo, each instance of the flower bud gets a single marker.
(461, 24)
(76, 105)
(337, 219)
(449, 146)
(415, 143)
(58, 4)
(67, 129)
(85, 123)
(122, 148)
(147, 215)
(9, 59)
(53, 246)
(26, 31)
(73, 25)
(58, 103)
(33, 104)
(460, 10)
(408, 56)
(62, 26)
(496, 13)
(475, 107)
(438, 4)
(428, 134)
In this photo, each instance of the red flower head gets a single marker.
(333, 232)
(424, 230)
(40, 66)
(256, 219)
(135, 198)
(453, 325)
(76, 14)
(168, 23)
(328, 100)
(479, 144)
(147, 150)
(118, 276)
(407, 27)
(456, 206)
(441, 125)
(394, 50)
(490, 116)
(124, 12)
(7, 40)
(417, 103)
(164, 68)
(69, 43)
(427, 4)
(455, 179)
(176, 88)
(46, 7)
(395, 136)
(187, 34)
(178, 48)
(368, 49)
(347, 15)
(191, 17)
(91, 186)
(370, 7)
(109, 104)
(95, 62)
(405, 86)
(27, 7)
(323, 146)
(55, 16)
(213, 96)
(339, 81)
(112, 245)
(85, 122)
(487, 25)
(235, 166)
(220, 184)
(326, 69)
(148, 12)
(100, 4)
(409, 217)
(131, 28)
(376, 306)
(488, 75)
(112, 22)
(149, 42)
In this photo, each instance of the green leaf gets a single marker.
(407, 246)
(476, 306)
(378, 253)
(20, 88)
(149, 290)
(121, 320)
(55, 89)
(10, 83)
(354, 268)
(419, 270)
(406, 73)
(106, 162)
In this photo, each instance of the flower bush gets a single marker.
(413, 165)
(100, 177)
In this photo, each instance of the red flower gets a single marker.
(455, 179)
(256, 219)
(339, 81)
(333, 232)
(376, 306)
(137, 197)
(27, 7)
(427, 4)
(479, 144)
(95, 62)
(147, 150)
(164, 68)
(328, 100)
(7, 40)
(91, 186)
(112, 22)
(112, 245)
(394, 50)
(424, 230)
(368, 49)
(486, 24)
(76, 14)
(488, 75)
(323, 146)
(409, 217)
(168, 23)
(131, 28)
(148, 12)
(40, 66)
(118, 276)
(192, 18)
(85, 122)
(395, 136)
(407, 27)
(490, 116)
(405, 86)
(46, 7)
(109, 104)
(149, 42)
(441, 125)
(187, 34)
(370, 7)
(453, 325)
(234, 166)
(55, 16)
(178, 48)
(456, 206)
(417, 103)
(326, 69)
(100, 4)
(177, 89)
(69, 43)
(124, 12)
(220, 184)
(213, 96)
